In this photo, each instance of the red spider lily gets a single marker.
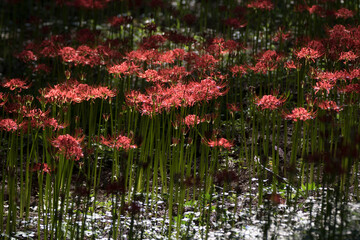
(26, 56)
(238, 70)
(290, 65)
(125, 68)
(348, 56)
(89, 4)
(222, 142)
(301, 114)
(179, 38)
(39, 119)
(73, 91)
(152, 42)
(44, 167)
(308, 53)
(205, 62)
(315, 9)
(68, 146)
(151, 76)
(166, 57)
(329, 105)
(268, 61)
(235, 23)
(119, 21)
(8, 125)
(269, 102)
(159, 98)
(3, 98)
(344, 13)
(232, 107)
(68, 54)
(280, 36)
(261, 4)
(192, 120)
(324, 85)
(350, 88)
(42, 68)
(175, 74)
(15, 84)
(120, 142)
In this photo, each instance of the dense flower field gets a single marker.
(179, 119)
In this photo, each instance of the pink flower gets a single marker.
(269, 102)
(222, 142)
(301, 114)
(8, 125)
(68, 146)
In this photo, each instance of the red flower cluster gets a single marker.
(159, 98)
(44, 167)
(301, 114)
(269, 102)
(8, 125)
(308, 53)
(75, 92)
(68, 146)
(192, 120)
(39, 119)
(344, 13)
(119, 21)
(348, 56)
(329, 105)
(261, 4)
(83, 55)
(120, 142)
(222, 142)
(15, 84)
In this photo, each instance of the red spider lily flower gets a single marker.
(120, 142)
(68, 146)
(290, 65)
(324, 85)
(3, 98)
(89, 4)
(15, 84)
(68, 54)
(235, 23)
(222, 142)
(315, 9)
(269, 102)
(280, 36)
(344, 13)
(26, 56)
(74, 92)
(44, 167)
(238, 70)
(192, 120)
(232, 107)
(268, 61)
(308, 53)
(166, 57)
(42, 68)
(152, 42)
(329, 105)
(301, 114)
(261, 4)
(350, 88)
(151, 76)
(8, 125)
(119, 21)
(348, 56)
(159, 98)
